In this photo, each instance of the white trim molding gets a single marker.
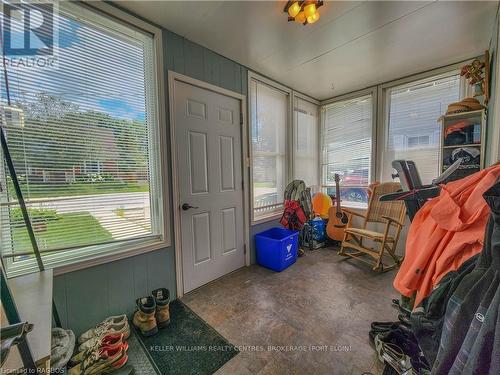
(172, 78)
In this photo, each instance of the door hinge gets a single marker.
(242, 184)
(241, 118)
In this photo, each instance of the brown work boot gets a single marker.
(144, 317)
(162, 299)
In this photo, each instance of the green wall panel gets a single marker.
(212, 67)
(119, 281)
(59, 293)
(193, 60)
(85, 297)
(244, 79)
(185, 57)
(174, 49)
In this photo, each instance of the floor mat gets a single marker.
(188, 345)
(138, 359)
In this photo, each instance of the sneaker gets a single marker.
(115, 320)
(162, 299)
(108, 341)
(104, 330)
(101, 361)
(144, 318)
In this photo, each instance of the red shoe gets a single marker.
(111, 341)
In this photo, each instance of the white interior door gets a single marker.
(208, 144)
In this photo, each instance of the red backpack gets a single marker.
(293, 216)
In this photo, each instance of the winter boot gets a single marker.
(144, 318)
(162, 298)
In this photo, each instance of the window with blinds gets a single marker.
(306, 141)
(268, 115)
(412, 130)
(87, 155)
(347, 148)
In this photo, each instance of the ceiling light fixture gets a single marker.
(304, 12)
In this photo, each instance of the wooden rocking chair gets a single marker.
(392, 214)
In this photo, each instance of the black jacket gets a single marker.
(427, 319)
(470, 340)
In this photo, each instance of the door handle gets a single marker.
(187, 206)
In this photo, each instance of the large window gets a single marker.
(347, 148)
(306, 142)
(269, 107)
(413, 131)
(88, 155)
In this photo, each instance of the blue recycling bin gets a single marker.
(277, 248)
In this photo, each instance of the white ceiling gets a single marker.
(352, 46)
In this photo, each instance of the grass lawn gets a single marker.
(264, 184)
(68, 190)
(70, 229)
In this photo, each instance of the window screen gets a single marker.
(269, 113)
(87, 155)
(413, 131)
(347, 148)
(306, 142)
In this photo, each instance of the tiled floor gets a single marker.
(317, 313)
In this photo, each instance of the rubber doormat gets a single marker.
(188, 345)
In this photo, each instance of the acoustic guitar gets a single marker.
(337, 219)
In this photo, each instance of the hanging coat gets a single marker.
(445, 232)
(484, 357)
(471, 335)
(427, 319)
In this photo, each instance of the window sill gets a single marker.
(355, 206)
(60, 266)
(266, 218)
(277, 215)
(112, 257)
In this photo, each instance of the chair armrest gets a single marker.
(353, 213)
(393, 221)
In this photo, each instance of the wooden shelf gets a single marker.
(477, 119)
(461, 115)
(469, 145)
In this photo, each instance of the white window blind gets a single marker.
(413, 131)
(269, 113)
(87, 157)
(347, 148)
(306, 142)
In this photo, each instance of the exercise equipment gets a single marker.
(413, 192)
